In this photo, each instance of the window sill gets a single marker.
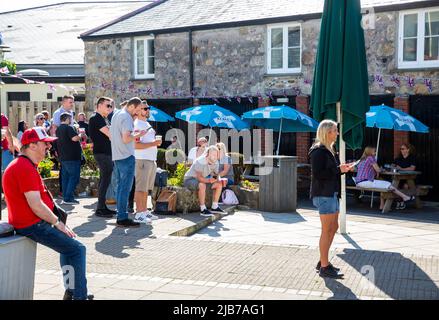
(267, 75)
(142, 79)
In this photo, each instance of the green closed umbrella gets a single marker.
(340, 89)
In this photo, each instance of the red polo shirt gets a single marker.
(19, 177)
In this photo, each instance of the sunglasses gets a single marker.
(109, 106)
(147, 108)
(40, 118)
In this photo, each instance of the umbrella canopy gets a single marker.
(384, 117)
(212, 116)
(341, 69)
(281, 118)
(158, 115)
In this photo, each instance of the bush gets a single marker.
(45, 167)
(161, 158)
(90, 168)
(12, 67)
(249, 185)
(173, 158)
(178, 178)
(238, 165)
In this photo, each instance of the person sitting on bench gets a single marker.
(368, 169)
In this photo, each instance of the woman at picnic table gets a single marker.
(326, 191)
(368, 169)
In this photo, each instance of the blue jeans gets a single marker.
(70, 172)
(73, 254)
(125, 176)
(112, 188)
(7, 157)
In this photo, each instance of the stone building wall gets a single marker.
(232, 62)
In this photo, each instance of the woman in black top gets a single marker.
(326, 171)
(405, 161)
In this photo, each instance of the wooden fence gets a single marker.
(26, 110)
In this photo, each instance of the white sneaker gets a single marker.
(150, 215)
(142, 218)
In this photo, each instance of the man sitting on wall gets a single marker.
(30, 210)
(203, 174)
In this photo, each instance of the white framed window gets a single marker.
(419, 39)
(284, 48)
(144, 57)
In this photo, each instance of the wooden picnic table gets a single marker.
(396, 178)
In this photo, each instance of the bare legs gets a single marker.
(141, 199)
(329, 229)
(217, 187)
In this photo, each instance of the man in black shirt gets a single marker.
(100, 136)
(69, 154)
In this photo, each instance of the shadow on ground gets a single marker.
(122, 239)
(395, 275)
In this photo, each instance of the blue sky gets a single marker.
(10, 5)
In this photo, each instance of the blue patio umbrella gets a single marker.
(282, 119)
(384, 117)
(158, 115)
(212, 116)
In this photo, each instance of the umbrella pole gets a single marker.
(378, 149)
(343, 180)
(280, 134)
(210, 134)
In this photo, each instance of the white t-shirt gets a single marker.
(148, 153)
(192, 155)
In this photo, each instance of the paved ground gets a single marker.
(146, 263)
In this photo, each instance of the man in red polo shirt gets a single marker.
(30, 210)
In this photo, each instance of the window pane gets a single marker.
(410, 49)
(294, 58)
(276, 38)
(411, 25)
(431, 48)
(294, 37)
(151, 65)
(140, 57)
(276, 58)
(432, 23)
(150, 48)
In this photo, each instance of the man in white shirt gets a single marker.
(197, 151)
(146, 166)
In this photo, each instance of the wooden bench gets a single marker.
(389, 196)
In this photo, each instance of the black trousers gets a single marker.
(105, 165)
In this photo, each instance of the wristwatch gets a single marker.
(57, 222)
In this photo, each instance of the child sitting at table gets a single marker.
(368, 169)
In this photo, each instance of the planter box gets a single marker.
(246, 197)
(90, 183)
(17, 265)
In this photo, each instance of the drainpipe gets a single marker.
(191, 65)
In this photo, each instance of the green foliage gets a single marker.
(249, 185)
(238, 165)
(178, 178)
(174, 157)
(161, 159)
(44, 168)
(90, 168)
(12, 67)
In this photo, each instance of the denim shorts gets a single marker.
(327, 205)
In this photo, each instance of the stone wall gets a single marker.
(232, 62)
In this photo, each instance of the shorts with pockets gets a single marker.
(327, 205)
(145, 175)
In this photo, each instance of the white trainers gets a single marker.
(150, 215)
(141, 217)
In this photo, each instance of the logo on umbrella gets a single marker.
(266, 112)
(188, 114)
(222, 118)
(404, 120)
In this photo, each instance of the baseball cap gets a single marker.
(34, 135)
